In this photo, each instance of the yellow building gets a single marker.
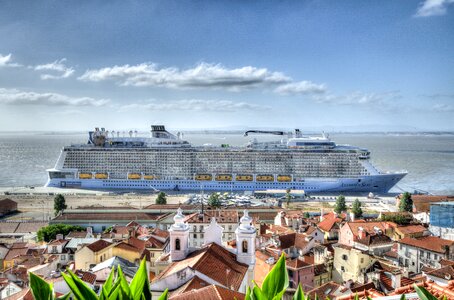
(93, 254)
(350, 263)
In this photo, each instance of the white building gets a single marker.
(211, 263)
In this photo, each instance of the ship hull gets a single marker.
(381, 183)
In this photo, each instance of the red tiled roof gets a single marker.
(431, 243)
(212, 261)
(212, 292)
(326, 290)
(388, 284)
(222, 216)
(296, 263)
(160, 233)
(410, 229)
(446, 272)
(108, 216)
(98, 245)
(328, 222)
(368, 227)
(433, 288)
(126, 247)
(194, 284)
(58, 242)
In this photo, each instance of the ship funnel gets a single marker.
(96, 128)
(130, 133)
(135, 133)
(113, 133)
(103, 129)
(118, 133)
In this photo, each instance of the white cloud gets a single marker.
(429, 8)
(6, 61)
(17, 97)
(300, 88)
(383, 100)
(443, 107)
(57, 66)
(194, 105)
(203, 75)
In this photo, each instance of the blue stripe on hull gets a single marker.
(378, 183)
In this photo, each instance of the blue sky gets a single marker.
(335, 65)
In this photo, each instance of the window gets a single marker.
(244, 244)
(342, 269)
(195, 235)
(362, 260)
(177, 244)
(344, 257)
(54, 249)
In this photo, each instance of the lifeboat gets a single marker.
(134, 176)
(223, 177)
(85, 176)
(149, 177)
(203, 177)
(244, 177)
(101, 175)
(265, 178)
(284, 178)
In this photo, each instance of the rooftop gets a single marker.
(213, 261)
(431, 243)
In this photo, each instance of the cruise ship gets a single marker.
(165, 161)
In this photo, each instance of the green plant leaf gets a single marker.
(140, 286)
(248, 294)
(64, 297)
(107, 286)
(403, 297)
(164, 295)
(40, 288)
(258, 294)
(123, 284)
(276, 280)
(424, 294)
(80, 290)
(299, 294)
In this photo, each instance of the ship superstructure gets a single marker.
(164, 161)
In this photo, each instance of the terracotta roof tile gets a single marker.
(212, 292)
(431, 243)
(212, 261)
(326, 290)
(98, 245)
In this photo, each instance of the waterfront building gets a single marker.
(442, 220)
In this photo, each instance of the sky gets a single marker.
(347, 65)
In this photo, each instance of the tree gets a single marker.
(356, 208)
(307, 215)
(288, 197)
(406, 203)
(340, 205)
(214, 200)
(161, 199)
(49, 233)
(59, 203)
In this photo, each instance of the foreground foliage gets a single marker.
(116, 287)
(50, 232)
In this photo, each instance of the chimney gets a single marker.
(321, 214)
(352, 217)
(396, 279)
(361, 233)
(90, 230)
(59, 236)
